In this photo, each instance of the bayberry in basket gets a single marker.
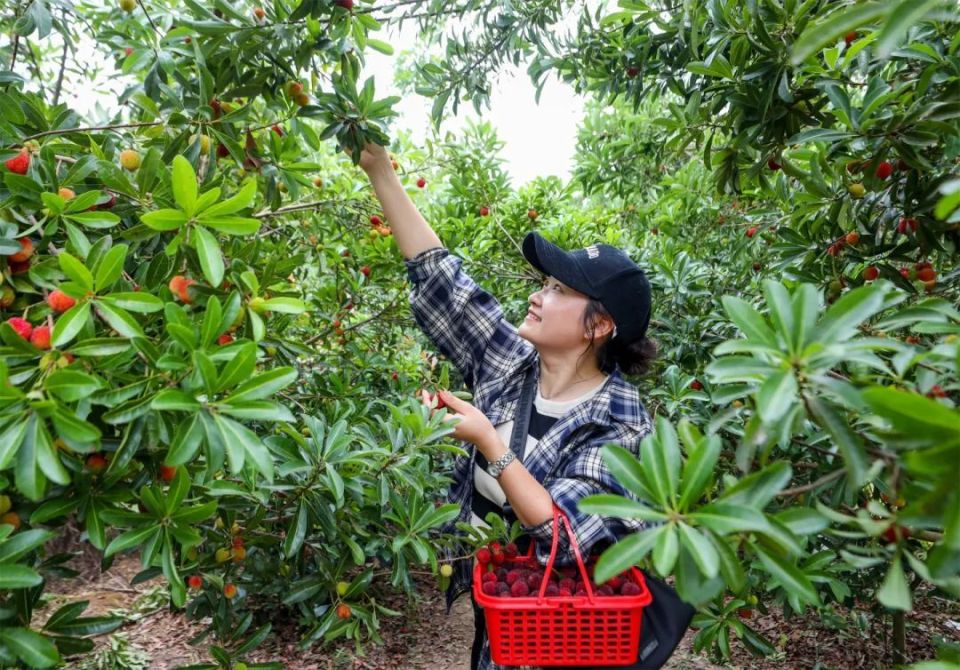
(489, 577)
(630, 589)
(483, 555)
(502, 589)
(551, 590)
(498, 557)
(519, 589)
(568, 584)
(501, 573)
(512, 576)
(489, 588)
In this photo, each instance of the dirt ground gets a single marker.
(424, 638)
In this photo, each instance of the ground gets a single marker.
(424, 638)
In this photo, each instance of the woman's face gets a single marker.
(555, 317)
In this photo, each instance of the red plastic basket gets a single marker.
(563, 630)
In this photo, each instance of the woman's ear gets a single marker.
(601, 326)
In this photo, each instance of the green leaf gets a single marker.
(110, 267)
(19, 577)
(10, 440)
(726, 519)
(164, 220)
(759, 488)
(624, 554)
(904, 16)
(606, 504)
(239, 368)
(69, 324)
(842, 320)
(131, 539)
(781, 311)
(625, 468)
(75, 270)
(208, 250)
(35, 650)
(240, 440)
(135, 301)
(243, 199)
(698, 470)
(184, 184)
(790, 577)
(296, 532)
(95, 220)
(666, 549)
(175, 400)
(119, 319)
(777, 394)
(913, 414)
(232, 225)
(264, 384)
(748, 320)
(701, 549)
(285, 305)
(660, 459)
(71, 385)
(894, 593)
(836, 24)
(185, 442)
(849, 443)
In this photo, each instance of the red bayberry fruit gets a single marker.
(195, 582)
(180, 286)
(745, 613)
(905, 273)
(512, 576)
(259, 13)
(532, 214)
(630, 589)
(552, 591)
(906, 224)
(22, 327)
(852, 238)
(421, 182)
(632, 72)
(345, 253)
(850, 37)
(936, 391)
(884, 170)
(40, 337)
(230, 591)
(226, 338)
(128, 51)
(376, 220)
(26, 250)
(395, 376)
(346, 4)
(222, 151)
(833, 250)
(773, 164)
(871, 273)
(365, 270)
(751, 231)
(277, 129)
(498, 557)
(60, 302)
(511, 550)
(489, 577)
(696, 385)
(519, 589)
(96, 463)
(484, 211)
(167, 472)
(489, 588)
(926, 274)
(483, 555)
(20, 163)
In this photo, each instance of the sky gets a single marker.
(539, 140)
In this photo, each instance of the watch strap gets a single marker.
(498, 466)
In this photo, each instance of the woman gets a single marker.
(586, 324)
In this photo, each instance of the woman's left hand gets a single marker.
(472, 425)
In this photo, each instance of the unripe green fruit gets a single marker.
(5, 504)
(857, 190)
(128, 5)
(222, 555)
(342, 588)
(258, 305)
(446, 570)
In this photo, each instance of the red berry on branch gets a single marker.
(850, 37)
(871, 273)
(59, 301)
(195, 582)
(773, 164)
(376, 220)
(884, 170)
(167, 472)
(40, 338)
(22, 327)
(19, 163)
(484, 211)
(696, 385)
(751, 231)
(421, 182)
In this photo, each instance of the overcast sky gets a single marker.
(539, 139)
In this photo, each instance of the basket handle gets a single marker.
(558, 516)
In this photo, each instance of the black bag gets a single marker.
(666, 618)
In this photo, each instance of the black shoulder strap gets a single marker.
(521, 421)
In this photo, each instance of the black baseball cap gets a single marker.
(602, 272)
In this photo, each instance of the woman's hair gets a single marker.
(634, 358)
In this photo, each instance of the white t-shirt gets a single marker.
(488, 496)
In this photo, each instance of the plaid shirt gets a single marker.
(467, 325)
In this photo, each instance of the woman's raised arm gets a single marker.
(411, 231)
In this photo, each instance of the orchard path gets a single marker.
(424, 638)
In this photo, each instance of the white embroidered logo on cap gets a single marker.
(592, 251)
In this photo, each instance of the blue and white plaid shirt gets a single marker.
(467, 325)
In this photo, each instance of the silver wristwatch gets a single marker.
(497, 467)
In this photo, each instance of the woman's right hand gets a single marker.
(372, 156)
